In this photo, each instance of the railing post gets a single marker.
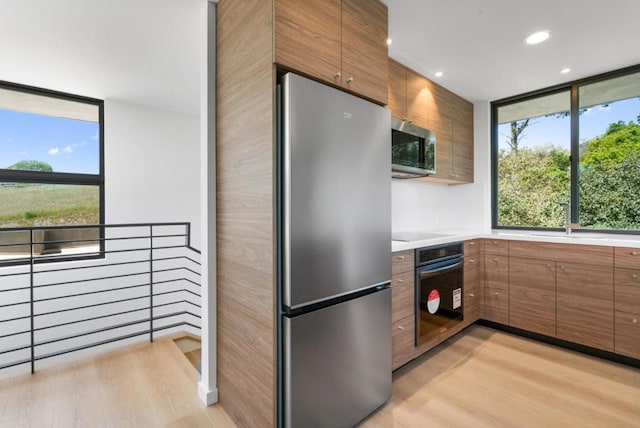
(188, 238)
(150, 283)
(31, 312)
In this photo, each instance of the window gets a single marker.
(576, 145)
(51, 168)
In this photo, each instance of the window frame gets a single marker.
(62, 177)
(573, 87)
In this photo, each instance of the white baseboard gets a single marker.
(207, 396)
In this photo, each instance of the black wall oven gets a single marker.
(439, 283)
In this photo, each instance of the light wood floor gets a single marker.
(147, 385)
(481, 378)
(487, 378)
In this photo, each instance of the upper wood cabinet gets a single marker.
(418, 100)
(343, 42)
(397, 94)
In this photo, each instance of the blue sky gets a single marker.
(593, 122)
(67, 145)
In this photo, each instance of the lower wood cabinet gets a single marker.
(473, 279)
(627, 338)
(402, 308)
(585, 305)
(496, 288)
(532, 295)
(402, 341)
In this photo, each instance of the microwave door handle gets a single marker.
(429, 273)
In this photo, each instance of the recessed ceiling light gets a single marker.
(439, 73)
(389, 41)
(535, 38)
(565, 70)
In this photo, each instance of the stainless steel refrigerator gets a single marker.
(335, 255)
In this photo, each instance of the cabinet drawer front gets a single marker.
(496, 268)
(627, 290)
(568, 253)
(472, 247)
(496, 304)
(585, 281)
(627, 334)
(402, 261)
(628, 258)
(402, 341)
(402, 296)
(496, 246)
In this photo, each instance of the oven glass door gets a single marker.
(438, 298)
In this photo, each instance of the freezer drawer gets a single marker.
(337, 362)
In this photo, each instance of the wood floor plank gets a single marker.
(481, 378)
(486, 378)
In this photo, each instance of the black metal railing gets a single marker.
(66, 289)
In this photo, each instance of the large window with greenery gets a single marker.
(576, 146)
(51, 163)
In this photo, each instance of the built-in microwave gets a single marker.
(413, 150)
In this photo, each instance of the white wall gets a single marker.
(418, 206)
(152, 166)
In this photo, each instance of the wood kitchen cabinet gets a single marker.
(585, 312)
(627, 302)
(496, 288)
(473, 280)
(532, 295)
(420, 101)
(342, 42)
(402, 308)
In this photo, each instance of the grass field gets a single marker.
(48, 205)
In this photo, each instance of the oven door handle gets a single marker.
(428, 273)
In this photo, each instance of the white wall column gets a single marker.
(207, 387)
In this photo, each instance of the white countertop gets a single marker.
(584, 238)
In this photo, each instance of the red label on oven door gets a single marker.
(433, 301)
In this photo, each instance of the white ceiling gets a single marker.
(141, 51)
(149, 51)
(478, 44)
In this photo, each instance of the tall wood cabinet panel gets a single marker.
(364, 48)
(585, 311)
(342, 42)
(532, 295)
(245, 275)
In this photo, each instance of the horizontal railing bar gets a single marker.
(91, 306)
(145, 260)
(15, 289)
(91, 319)
(167, 292)
(67, 296)
(16, 319)
(14, 304)
(15, 334)
(192, 260)
(7, 351)
(100, 278)
(166, 281)
(194, 249)
(102, 330)
(194, 304)
(17, 363)
(94, 226)
(189, 291)
(165, 327)
(99, 239)
(92, 345)
(6, 275)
